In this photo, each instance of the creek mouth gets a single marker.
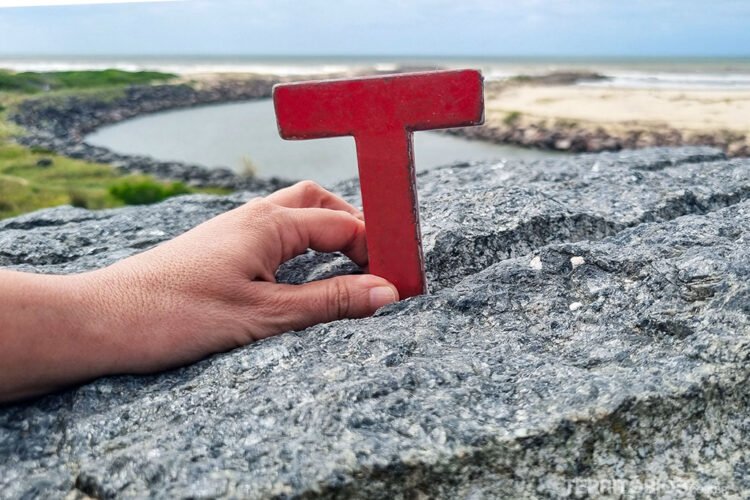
(242, 136)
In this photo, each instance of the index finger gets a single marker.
(322, 230)
(308, 194)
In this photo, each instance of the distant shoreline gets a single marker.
(513, 117)
(640, 72)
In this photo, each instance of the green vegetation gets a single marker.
(25, 184)
(34, 178)
(512, 118)
(31, 82)
(144, 190)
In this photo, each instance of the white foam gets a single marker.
(672, 80)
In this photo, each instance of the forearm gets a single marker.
(209, 290)
(51, 334)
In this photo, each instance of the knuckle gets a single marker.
(309, 186)
(258, 207)
(261, 204)
(310, 191)
(260, 211)
(339, 300)
(264, 225)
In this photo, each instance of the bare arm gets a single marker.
(207, 291)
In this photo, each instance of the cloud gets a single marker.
(59, 3)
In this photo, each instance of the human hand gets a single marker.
(206, 291)
(213, 288)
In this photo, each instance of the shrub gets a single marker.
(249, 170)
(512, 118)
(143, 191)
(78, 198)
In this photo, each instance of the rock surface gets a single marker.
(587, 333)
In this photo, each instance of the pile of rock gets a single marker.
(555, 78)
(562, 135)
(75, 116)
(586, 334)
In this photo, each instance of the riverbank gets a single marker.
(59, 123)
(591, 117)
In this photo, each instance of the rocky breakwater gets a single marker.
(586, 333)
(60, 123)
(570, 136)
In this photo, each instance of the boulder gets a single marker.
(586, 334)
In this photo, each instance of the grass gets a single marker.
(33, 178)
(25, 186)
(32, 82)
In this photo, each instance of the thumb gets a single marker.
(354, 296)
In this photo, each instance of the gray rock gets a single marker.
(587, 334)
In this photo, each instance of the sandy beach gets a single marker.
(693, 110)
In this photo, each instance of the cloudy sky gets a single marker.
(378, 27)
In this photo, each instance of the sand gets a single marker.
(687, 110)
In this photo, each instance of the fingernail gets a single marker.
(380, 296)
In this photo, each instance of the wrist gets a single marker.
(128, 318)
(50, 335)
(97, 321)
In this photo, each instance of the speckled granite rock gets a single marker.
(587, 334)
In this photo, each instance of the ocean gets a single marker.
(681, 73)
